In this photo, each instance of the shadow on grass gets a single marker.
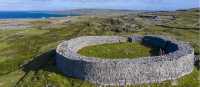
(154, 51)
(45, 61)
(40, 61)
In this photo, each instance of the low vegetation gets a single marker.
(22, 52)
(119, 50)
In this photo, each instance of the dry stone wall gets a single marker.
(176, 63)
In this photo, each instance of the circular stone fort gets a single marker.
(176, 62)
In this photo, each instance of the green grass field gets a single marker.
(27, 56)
(119, 50)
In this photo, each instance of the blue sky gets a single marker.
(13, 5)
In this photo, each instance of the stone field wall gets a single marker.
(177, 62)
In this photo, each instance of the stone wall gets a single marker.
(176, 63)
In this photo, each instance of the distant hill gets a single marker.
(96, 11)
(109, 11)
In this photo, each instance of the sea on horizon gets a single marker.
(31, 15)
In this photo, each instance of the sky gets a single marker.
(35, 5)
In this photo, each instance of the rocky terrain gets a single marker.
(27, 54)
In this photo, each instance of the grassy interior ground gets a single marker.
(27, 56)
(119, 50)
